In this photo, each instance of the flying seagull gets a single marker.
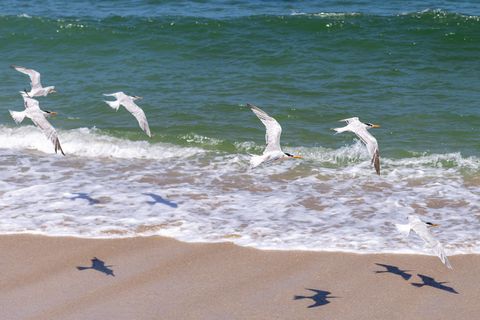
(37, 90)
(421, 228)
(38, 117)
(273, 151)
(129, 104)
(361, 130)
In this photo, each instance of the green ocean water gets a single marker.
(415, 73)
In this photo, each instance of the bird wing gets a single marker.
(350, 120)
(421, 229)
(31, 104)
(40, 121)
(138, 114)
(34, 76)
(440, 252)
(367, 138)
(274, 130)
(376, 161)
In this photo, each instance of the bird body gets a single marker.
(129, 104)
(361, 130)
(273, 150)
(38, 117)
(37, 90)
(421, 228)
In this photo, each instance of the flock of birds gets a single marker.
(273, 150)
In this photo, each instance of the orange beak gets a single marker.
(297, 157)
(376, 126)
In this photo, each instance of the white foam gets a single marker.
(331, 201)
(90, 143)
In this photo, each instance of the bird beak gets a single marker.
(139, 97)
(53, 91)
(376, 126)
(297, 157)
(53, 113)
(435, 225)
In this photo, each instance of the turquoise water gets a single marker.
(410, 67)
(415, 73)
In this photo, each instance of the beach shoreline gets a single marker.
(162, 278)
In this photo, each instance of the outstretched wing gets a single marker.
(421, 229)
(40, 121)
(350, 120)
(34, 76)
(138, 114)
(376, 161)
(440, 252)
(273, 129)
(31, 104)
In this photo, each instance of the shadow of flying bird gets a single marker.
(320, 298)
(100, 266)
(429, 281)
(84, 196)
(158, 199)
(394, 270)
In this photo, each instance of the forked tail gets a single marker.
(255, 160)
(17, 116)
(113, 104)
(404, 229)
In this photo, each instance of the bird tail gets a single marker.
(255, 161)
(404, 229)
(18, 116)
(340, 130)
(114, 104)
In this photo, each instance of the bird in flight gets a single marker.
(273, 150)
(421, 228)
(129, 104)
(39, 119)
(361, 130)
(37, 90)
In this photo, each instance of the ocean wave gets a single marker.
(433, 16)
(92, 142)
(85, 142)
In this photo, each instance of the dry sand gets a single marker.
(161, 278)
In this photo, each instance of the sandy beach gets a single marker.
(161, 278)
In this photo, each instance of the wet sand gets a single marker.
(161, 278)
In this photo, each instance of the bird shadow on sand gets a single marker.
(158, 199)
(394, 270)
(84, 196)
(99, 266)
(319, 298)
(431, 282)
